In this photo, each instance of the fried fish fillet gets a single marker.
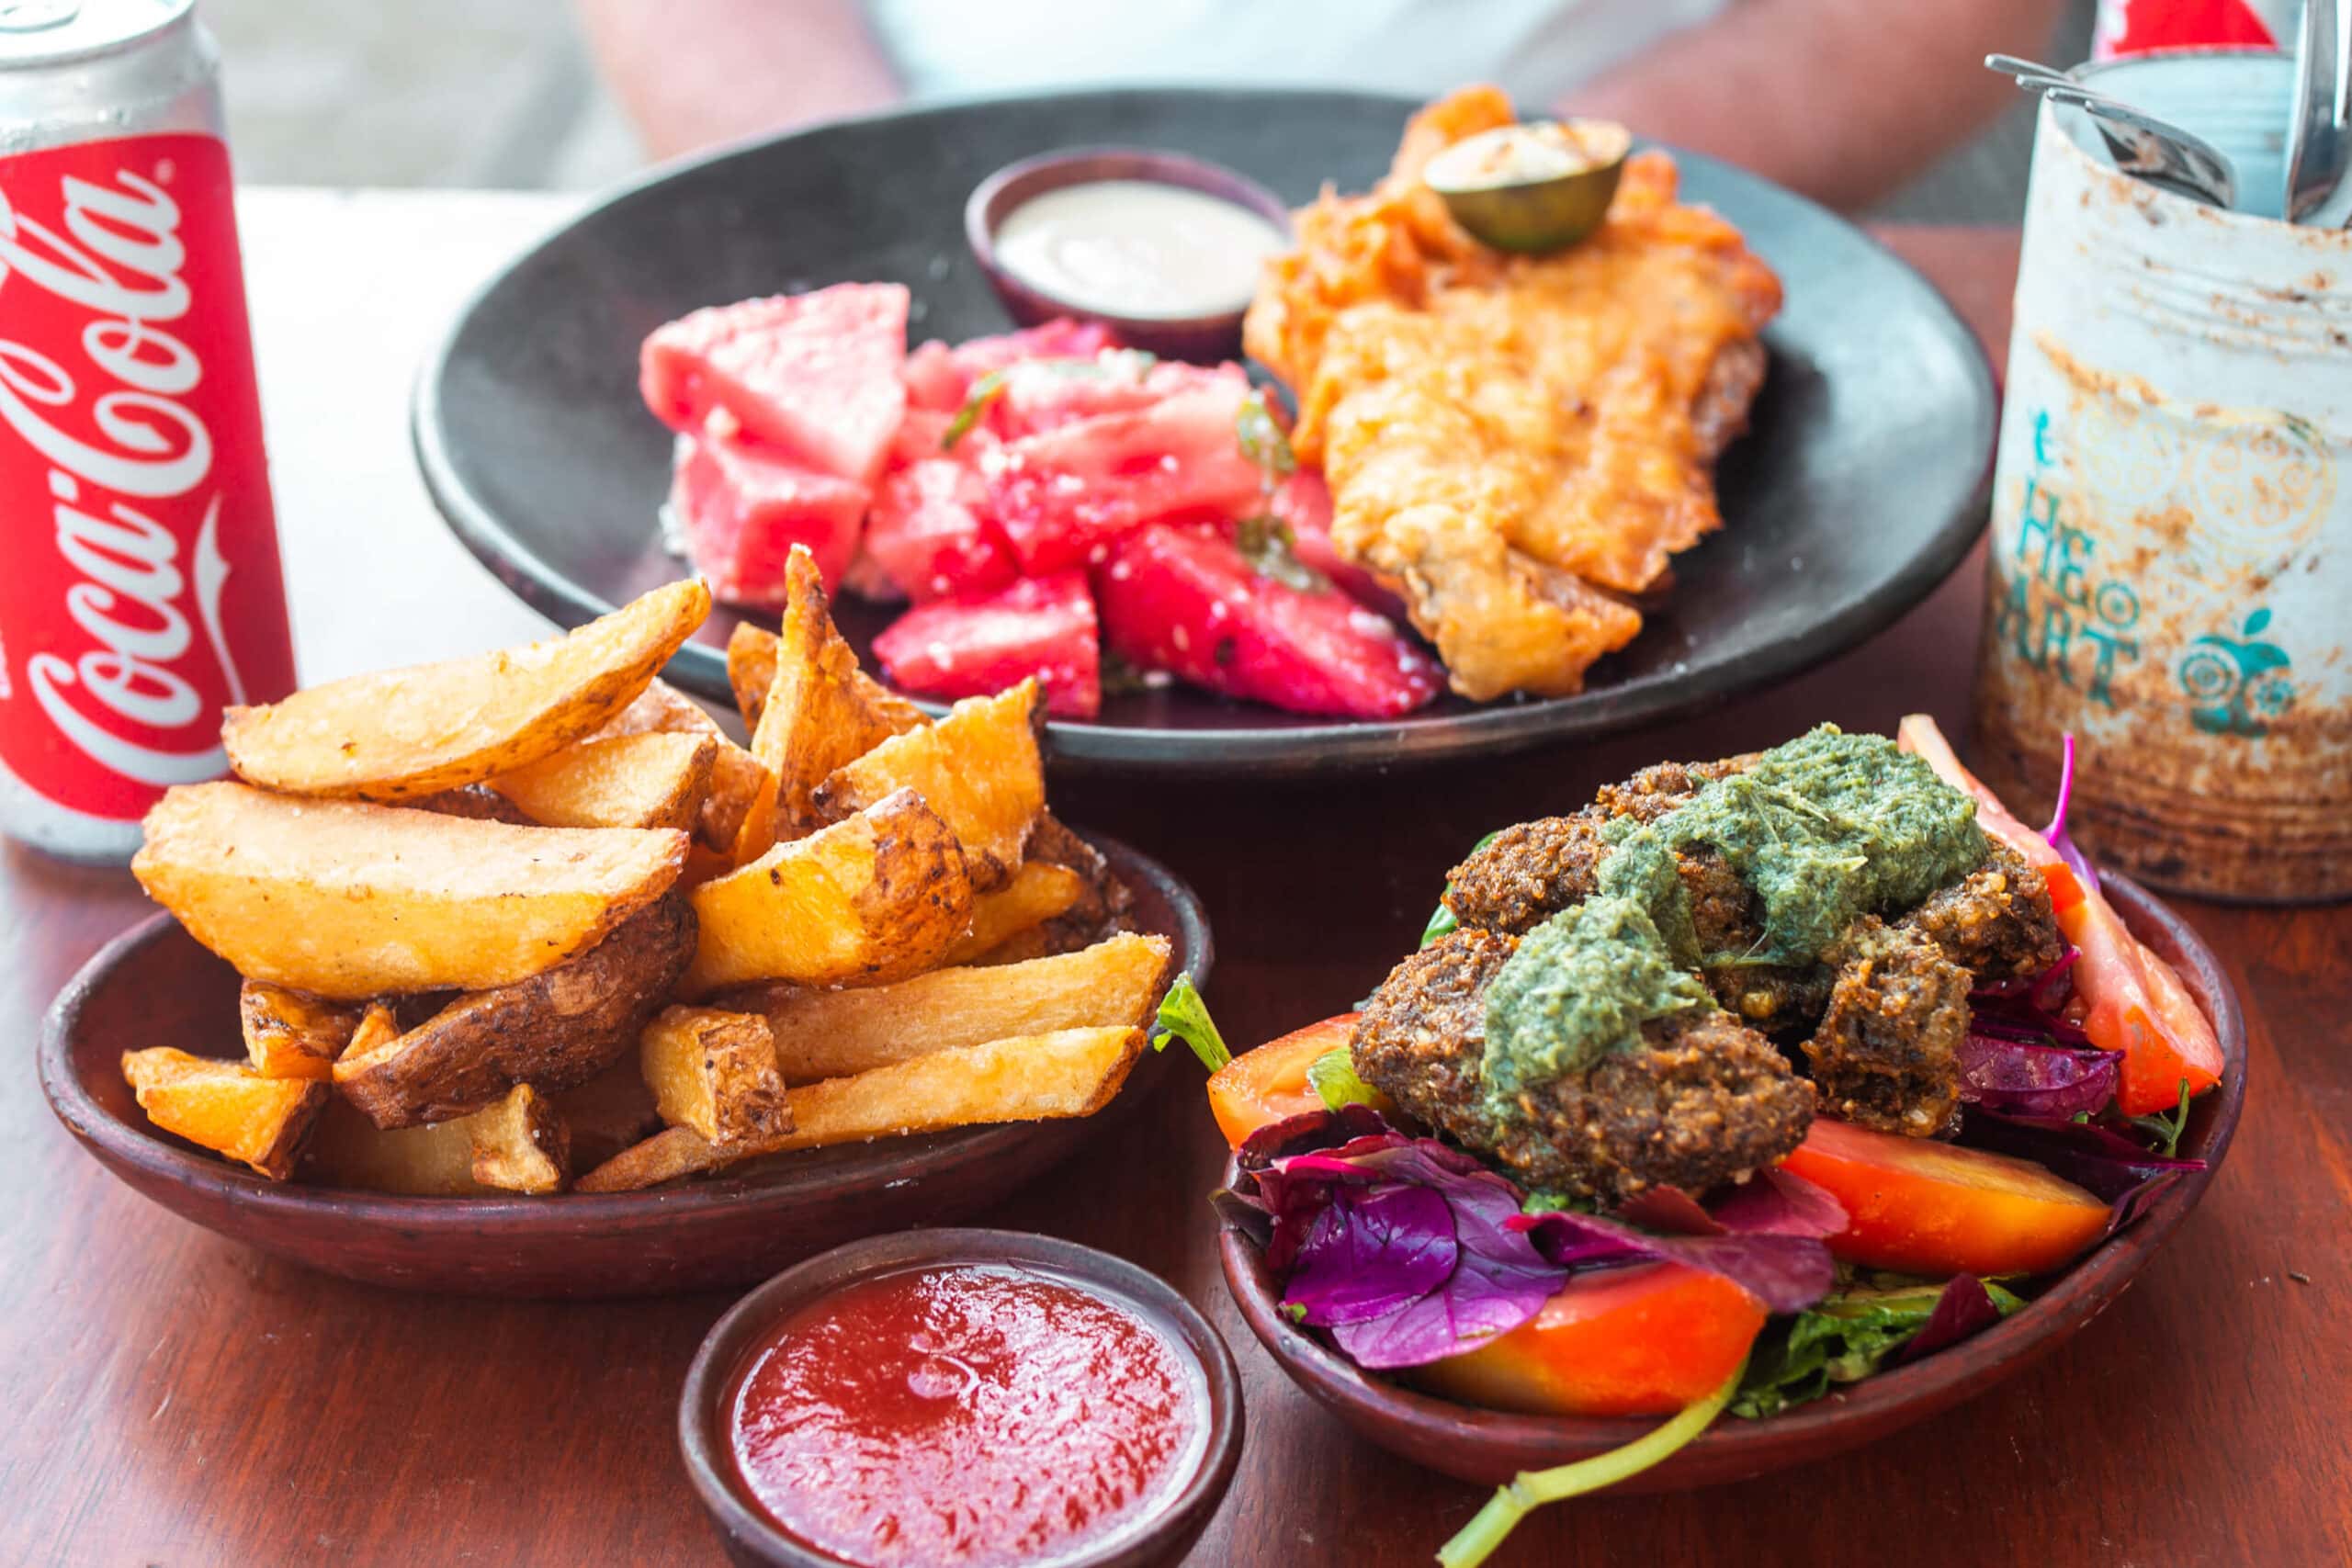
(1515, 443)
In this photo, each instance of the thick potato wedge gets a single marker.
(980, 768)
(292, 1034)
(715, 1072)
(660, 709)
(608, 1114)
(553, 1030)
(226, 1106)
(1074, 1072)
(815, 718)
(348, 900)
(478, 802)
(1037, 893)
(737, 781)
(751, 672)
(829, 1034)
(398, 734)
(871, 899)
(655, 779)
(515, 1144)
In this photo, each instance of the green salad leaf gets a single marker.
(1184, 1016)
(1333, 1076)
(2163, 1131)
(1841, 1339)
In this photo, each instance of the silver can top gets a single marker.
(50, 32)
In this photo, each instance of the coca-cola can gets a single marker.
(140, 586)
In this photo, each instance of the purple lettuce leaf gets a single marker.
(2101, 1162)
(1965, 1308)
(1779, 1202)
(2023, 1077)
(1787, 1273)
(1370, 1252)
(1499, 1282)
(2077, 861)
(1668, 1210)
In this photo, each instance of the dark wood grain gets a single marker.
(175, 1398)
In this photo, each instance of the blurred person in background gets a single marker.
(1844, 100)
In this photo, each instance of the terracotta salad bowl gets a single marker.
(1490, 1447)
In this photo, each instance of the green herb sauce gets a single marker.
(1582, 984)
(1824, 829)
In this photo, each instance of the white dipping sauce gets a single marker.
(1138, 248)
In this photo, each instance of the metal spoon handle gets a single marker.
(2158, 148)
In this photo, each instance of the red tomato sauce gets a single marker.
(973, 1414)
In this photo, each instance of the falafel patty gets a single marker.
(1705, 1100)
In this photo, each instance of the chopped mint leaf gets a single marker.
(1184, 1016)
(1272, 550)
(1263, 441)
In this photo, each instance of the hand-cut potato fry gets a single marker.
(736, 780)
(979, 768)
(378, 1027)
(349, 900)
(830, 1034)
(650, 779)
(815, 718)
(520, 1144)
(478, 802)
(751, 672)
(715, 1072)
(666, 1155)
(515, 1144)
(292, 1034)
(398, 734)
(1072, 1072)
(607, 1113)
(660, 709)
(226, 1106)
(1037, 893)
(554, 1029)
(873, 898)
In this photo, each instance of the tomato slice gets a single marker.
(1933, 1209)
(1268, 1085)
(1643, 1341)
(2138, 1003)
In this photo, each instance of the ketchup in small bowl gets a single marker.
(973, 1398)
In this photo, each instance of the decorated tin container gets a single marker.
(2170, 572)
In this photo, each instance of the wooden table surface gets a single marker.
(172, 1398)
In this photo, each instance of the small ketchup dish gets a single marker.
(976, 1397)
(1163, 249)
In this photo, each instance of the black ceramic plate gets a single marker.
(1860, 487)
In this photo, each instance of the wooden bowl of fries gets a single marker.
(546, 987)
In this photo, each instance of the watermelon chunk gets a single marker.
(1044, 395)
(1063, 497)
(973, 648)
(940, 378)
(814, 375)
(1186, 601)
(928, 532)
(743, 509)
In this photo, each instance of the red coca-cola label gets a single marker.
(140, 588)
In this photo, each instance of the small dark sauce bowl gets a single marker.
(1203, 340)
(705, 1419)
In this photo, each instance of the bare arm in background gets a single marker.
(1843, 100)
(693, 74)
